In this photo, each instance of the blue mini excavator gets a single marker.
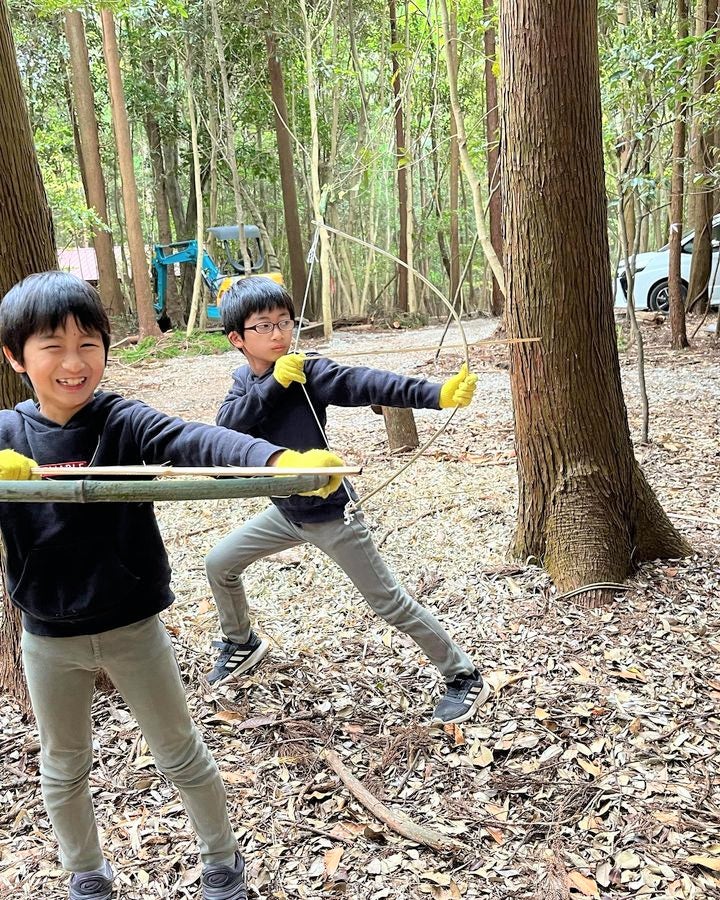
(216, 279)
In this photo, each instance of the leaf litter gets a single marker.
(592, 771)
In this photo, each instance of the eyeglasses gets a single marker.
(269, 327)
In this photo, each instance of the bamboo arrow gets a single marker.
(485, 342)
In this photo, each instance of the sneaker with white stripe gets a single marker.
(236, 659)
(464, 695)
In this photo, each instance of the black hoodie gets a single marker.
(259, 405)
(86, 568)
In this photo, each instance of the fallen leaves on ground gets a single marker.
(592, 771)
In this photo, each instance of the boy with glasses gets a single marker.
(271, 398)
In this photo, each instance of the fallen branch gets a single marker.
(395, 819)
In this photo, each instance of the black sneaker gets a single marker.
(464, 695)
(92, 885)
(236, 659)
(225, 882)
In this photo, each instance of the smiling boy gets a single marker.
(91, 579)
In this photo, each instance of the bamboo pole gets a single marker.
(86, 491)
(190, 471)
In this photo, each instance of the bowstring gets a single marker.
(311, 259)
(353, 506)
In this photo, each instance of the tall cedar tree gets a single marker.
(27, 245)
(585, 508)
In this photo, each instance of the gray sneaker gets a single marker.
(237, 659)
(464, 695)
(92, 885)
(225, 882)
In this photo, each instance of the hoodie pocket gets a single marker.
(73, 583)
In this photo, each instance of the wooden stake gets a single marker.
(395, 819)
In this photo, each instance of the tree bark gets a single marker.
(584, 508)
(28, 245)
(678, 332)
(700, 212)
(401, 429)
(401, 163)
(140, 273)
(296, 253)
(109, 285)
(492, 138)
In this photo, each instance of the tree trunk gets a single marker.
(454, 168)
(700, 212)
(109, 285)
(467, 166)
(412, 283)
(72, 115)
(296, 253)
(678, 332)
(140, 273)
(492, 137)
(197, 177)
(170, 158)
(230, 134)
(318, 197)
(584, 507)
(401, 163)
(401, 430)
(28, 245)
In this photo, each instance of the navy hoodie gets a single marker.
(86, 568)
(260, 406)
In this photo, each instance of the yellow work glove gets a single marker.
(15, 467)
(289, 368)
(458, 390)
(311, 459)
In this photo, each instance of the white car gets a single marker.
(651, 274)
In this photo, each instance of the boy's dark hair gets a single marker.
(40, 303)
(250, 295)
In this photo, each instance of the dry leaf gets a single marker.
(332, 860)
(582, 883)
(437, 878)
(707, 862)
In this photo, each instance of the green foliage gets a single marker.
(172, 344)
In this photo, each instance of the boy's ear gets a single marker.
(18, 367)
(236, 340)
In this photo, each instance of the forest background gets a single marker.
(344, 112)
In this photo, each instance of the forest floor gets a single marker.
(591, 772)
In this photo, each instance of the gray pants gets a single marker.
(140, 661)
(352, 548)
